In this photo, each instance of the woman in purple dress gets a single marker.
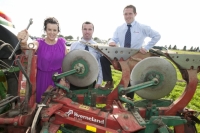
(50, 54)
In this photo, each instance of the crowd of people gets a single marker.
(51, 50)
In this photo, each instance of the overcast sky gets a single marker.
(176, 20)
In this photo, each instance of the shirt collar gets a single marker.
(90, 41)
(133, 23)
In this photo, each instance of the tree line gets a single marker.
(70, 38)
(195, 49)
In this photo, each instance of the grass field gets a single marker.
(183, 52)
(176, 92)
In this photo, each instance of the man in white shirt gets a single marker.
(130, 34)
(87, 31)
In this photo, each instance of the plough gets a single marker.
(152, 76)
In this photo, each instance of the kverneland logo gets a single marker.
(76, 115)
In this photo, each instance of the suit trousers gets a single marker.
(106, 70)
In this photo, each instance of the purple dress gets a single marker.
(49, 61)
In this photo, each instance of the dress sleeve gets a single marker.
(63, 42)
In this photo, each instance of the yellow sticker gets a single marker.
(22, 92)
(91, 128)
(84, 107)
(59, 131)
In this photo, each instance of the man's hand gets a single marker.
(143, 51)
(112, 44)
(97, 86)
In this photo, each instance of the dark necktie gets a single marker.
(86, 47)
(127, 42)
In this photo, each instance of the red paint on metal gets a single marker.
(73, 113)
(186, 96)
(23, 121)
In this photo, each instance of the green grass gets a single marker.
(184, 52)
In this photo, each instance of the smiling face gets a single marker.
(129, 15)
(87, 30)
(52, 31)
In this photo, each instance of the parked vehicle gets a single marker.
(68, 43)
(163, 49)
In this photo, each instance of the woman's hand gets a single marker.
(23, 36)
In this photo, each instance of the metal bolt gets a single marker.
(15, 123)
(94, 108)
(122, 92)
(45, 115)
(119, 131)
(125, 116)
(126, 128)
